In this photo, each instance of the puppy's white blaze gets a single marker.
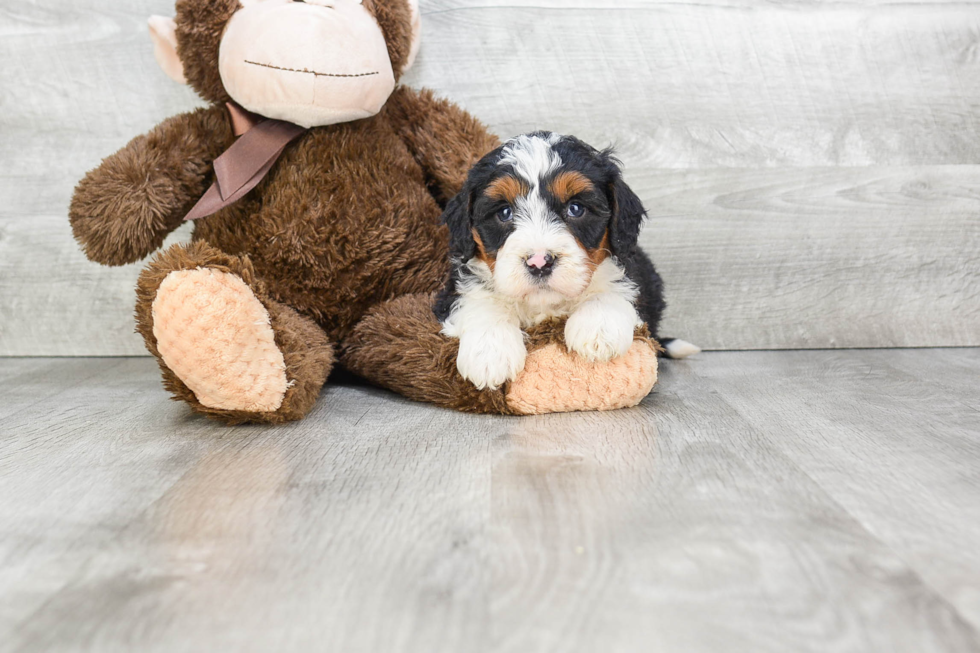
(532, 157)
(678, 349)
(601, 327)
(491, 342)
(538, 229)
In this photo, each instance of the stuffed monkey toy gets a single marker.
(316, 185)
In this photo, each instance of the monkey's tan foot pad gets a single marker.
(557, 381)
(216, 336)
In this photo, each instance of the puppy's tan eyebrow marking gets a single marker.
(507, 188)
(568, 184)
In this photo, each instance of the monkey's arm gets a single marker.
(444, 139)
(123, 210)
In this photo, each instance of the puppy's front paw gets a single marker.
(599, 334)
(491, 359)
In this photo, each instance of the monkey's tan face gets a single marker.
(312, 63)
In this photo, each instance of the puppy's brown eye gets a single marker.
(575, 210)
(505, 214)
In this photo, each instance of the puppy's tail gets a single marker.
(677, 349)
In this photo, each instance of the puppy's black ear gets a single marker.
(628, 216)
(462, 247)
(457, 217)
(627, 210)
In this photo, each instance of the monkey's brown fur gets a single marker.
(347, 220)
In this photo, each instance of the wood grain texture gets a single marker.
(694, 85)
(818, 258)
(680, 525)
(204, 545)
(28, 382)
(434, 6)
(852, 409)
(840, 135)
(759, 501)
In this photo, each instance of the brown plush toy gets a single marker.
(319, 184)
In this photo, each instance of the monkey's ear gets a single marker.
(628, 215)
(457, 218)
(163, 31)
(416, 34)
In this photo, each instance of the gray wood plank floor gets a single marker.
(758, 501)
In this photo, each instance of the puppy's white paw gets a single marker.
(599, 331)
(491, 358)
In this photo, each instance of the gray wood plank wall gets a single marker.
(811, 168)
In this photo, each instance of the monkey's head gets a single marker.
(312, 63)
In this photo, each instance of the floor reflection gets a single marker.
(224, 512)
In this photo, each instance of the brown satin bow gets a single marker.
(246, 163)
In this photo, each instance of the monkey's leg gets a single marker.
(223, 345)
(398, 345)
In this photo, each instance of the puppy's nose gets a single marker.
(540, 264)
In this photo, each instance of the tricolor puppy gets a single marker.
(545, 227)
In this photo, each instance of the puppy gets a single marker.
(545, 227)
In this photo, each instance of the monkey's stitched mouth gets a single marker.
(308, 72)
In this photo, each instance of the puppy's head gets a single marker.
(541, 213)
